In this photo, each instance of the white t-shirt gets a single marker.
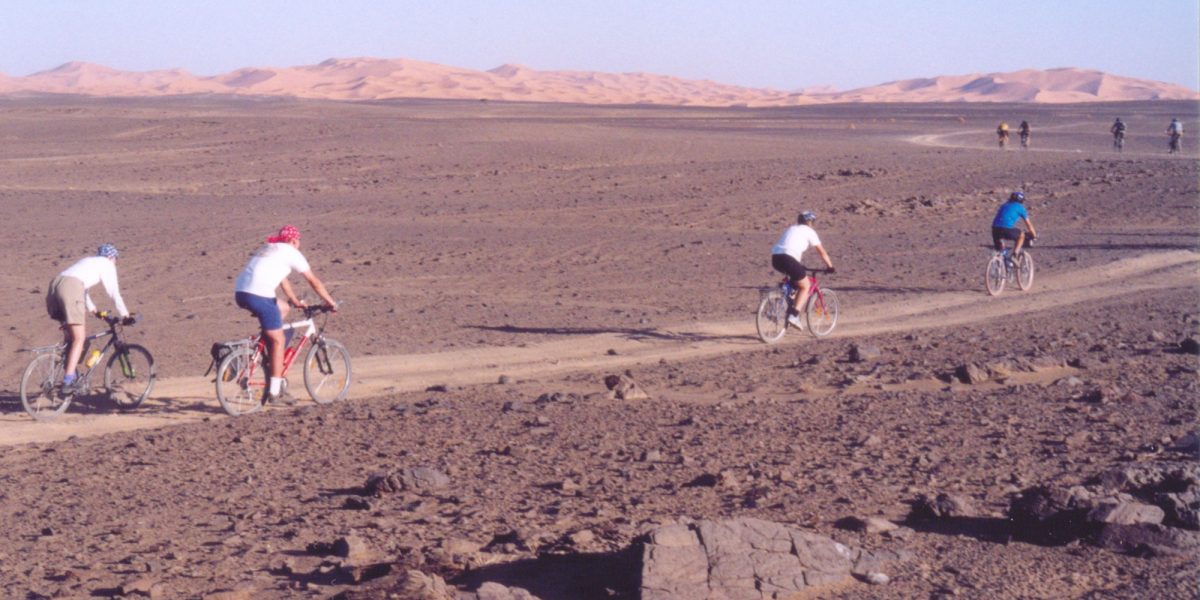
(269, 267)
(98, 269)
(796, 240)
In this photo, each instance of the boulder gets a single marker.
(414, 479)
(623, 387)
(747, 559)
(943, 506)
(864, 352)
(1126, 513)
(971, 373)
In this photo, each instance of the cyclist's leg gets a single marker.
(71, 310)
(275, 345)
(805, 286)
(1019, 243)
(795, 272)
(269, 312)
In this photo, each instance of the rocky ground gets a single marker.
(581, 221)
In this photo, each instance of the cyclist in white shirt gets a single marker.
(786, 257)
(255, 289)
(68, 302)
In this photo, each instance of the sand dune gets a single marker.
(1029, 85)
(376, 79)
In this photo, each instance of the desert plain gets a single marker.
(498, 260)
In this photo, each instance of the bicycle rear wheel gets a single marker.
(236, 388)
(129, 376)
(327, 371)
(1025, 271)
(821, 313)
(996, 275)
(40, 393)
(771, 319)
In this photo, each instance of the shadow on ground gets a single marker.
(565, 577)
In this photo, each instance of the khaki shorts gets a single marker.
(64, 301)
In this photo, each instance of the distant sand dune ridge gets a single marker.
(378, 79)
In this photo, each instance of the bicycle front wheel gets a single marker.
(40, 394)
(821, 313)
(129, 376)
(327, 371)
(1025, 271)
(771, 319)
(237, 390)
(996, 275)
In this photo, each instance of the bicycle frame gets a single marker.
(84, 371)
(290, 352)
(814, 292)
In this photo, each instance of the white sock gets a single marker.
(276, 384)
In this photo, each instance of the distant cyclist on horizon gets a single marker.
(786, 258)
(1002, 133)
(1175, 131)
(67, 301)
(1118, 133)
(1023, 131)
(1004, 225)
(255, 289)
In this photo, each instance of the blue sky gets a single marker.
(784, 44)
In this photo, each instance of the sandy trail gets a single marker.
(187, 399)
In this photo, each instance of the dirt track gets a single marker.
(183, 399)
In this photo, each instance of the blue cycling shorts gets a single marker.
(266, 309)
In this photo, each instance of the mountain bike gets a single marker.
(1173, 145)
(1002, 268)
(241, 374)
(1024, 140)
(128, 373)
(1119, 141)
(1003, 139)
(820, 311)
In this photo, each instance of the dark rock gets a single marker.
(356, 503)
(623, 387)
(1046, 515)
(1190, 345)
(971, 373)
(1149, 540)
(418, 479)
(864, 352)
(943, 506)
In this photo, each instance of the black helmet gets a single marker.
(807, 216)
(1017, 197)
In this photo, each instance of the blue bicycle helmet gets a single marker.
(107, 251)
(1017, 197)
(807, 216)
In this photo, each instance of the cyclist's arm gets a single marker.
(319, 288)
(824, 256)
(289, 293)
(1029, 226)
(113, 288)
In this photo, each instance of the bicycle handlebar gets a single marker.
(310, 311)
(112, 321)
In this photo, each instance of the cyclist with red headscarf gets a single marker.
(268, 270)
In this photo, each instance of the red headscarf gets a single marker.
(286, 234)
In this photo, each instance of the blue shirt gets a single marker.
(1010, 212)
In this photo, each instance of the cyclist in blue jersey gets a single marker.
(1004, 226)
